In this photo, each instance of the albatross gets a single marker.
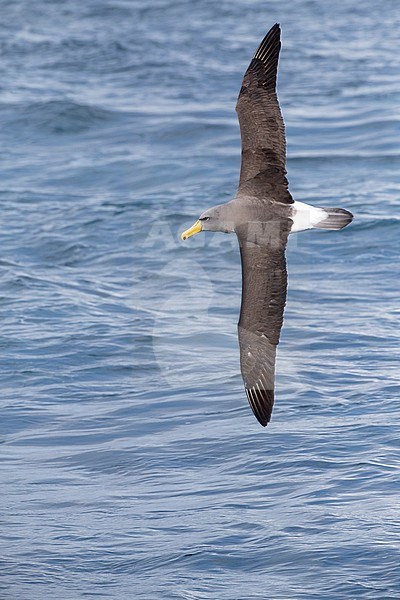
(262, 215)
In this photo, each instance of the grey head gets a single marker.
(217, 218)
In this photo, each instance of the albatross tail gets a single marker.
(305, 216)
(334, 218)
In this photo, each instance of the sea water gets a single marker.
(132, 466)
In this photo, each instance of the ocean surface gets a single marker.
(131, 464)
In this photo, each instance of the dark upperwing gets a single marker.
(263, 169)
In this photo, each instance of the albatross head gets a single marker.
(213, 219)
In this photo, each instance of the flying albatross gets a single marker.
(262, 215)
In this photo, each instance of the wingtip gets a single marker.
(263, 422)
(268, 50)
(261, 404)
(276, 28)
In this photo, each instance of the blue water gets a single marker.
(132, 467)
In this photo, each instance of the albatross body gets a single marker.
(262, 215)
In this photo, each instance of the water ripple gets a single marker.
(132, 465)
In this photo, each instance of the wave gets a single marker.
(58, 117)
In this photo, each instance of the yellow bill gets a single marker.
(196, 228)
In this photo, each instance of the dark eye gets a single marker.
(204, 219)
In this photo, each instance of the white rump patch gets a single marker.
(306, 216)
